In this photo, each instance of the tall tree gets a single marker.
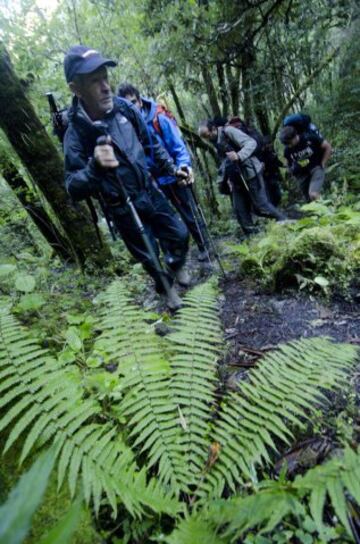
(42, 160)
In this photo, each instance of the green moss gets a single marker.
(53, 508)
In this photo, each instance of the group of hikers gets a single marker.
(128, 152)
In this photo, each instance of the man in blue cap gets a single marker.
(96, 170)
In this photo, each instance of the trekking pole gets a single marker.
(140, 226)
(242, 178)
(195, 213)
(196, 204)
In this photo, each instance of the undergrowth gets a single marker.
(141, 431)
(320, 251)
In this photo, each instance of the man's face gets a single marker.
(95, 92)
(134, 100)
(209, 134)
(294, 141)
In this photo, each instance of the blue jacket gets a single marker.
(125, 125)
(170, 139)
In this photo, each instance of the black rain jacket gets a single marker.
(131, 141)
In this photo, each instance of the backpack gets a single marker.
(302, 123)
(163, 110)
(238, 123)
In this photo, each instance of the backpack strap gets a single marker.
(160, 109)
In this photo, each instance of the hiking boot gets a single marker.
(173, 301)
(183, 277)
(203, 255)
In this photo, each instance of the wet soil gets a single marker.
(255, 321)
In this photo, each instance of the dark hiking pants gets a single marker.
(241, 203)
(180, 199)
(250, 194)
(162, 224)
(312, 183)
(273, 189)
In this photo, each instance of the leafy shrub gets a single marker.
(319, 251)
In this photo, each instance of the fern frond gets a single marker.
(48, 404)
(195, 347)
(332, 480)
(146, 405)
(266, 508)
(287, 385)
(229, 520)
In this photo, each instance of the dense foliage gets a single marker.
(137, 437)
(319, 251)
(139, 422)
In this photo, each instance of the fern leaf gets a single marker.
(146, 403)
(195, 347)
(251, 419)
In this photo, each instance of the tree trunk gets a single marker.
(234, 87)
(259, 104)
(223, 89)
(35, 209)
(302, 88)
(38, 153)
(194, 140)
(211, 92)
(246, 91)
(177, 101)
(213, 203)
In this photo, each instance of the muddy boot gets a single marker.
(183, 277)
(172, 299)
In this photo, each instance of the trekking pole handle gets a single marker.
(52, 103)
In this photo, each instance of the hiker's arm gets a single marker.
(327, 152)
(242, 140)
(161, 158)
(82, 175)
(173, 141)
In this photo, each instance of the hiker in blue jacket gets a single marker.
(163, 129)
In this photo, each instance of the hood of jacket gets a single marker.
(148, 110)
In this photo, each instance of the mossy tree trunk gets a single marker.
(35, 209)
(42, 160)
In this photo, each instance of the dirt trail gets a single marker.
(255, 321)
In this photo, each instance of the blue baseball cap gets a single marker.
(83, 60)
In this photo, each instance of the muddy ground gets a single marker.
(255, 321)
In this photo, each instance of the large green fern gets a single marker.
(147, 407)
(165, 411)
(225, 521)
(279, 395)
(195, 346)
(47, 402)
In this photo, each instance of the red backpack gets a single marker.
(160, 109)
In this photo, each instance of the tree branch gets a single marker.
(303, 88)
